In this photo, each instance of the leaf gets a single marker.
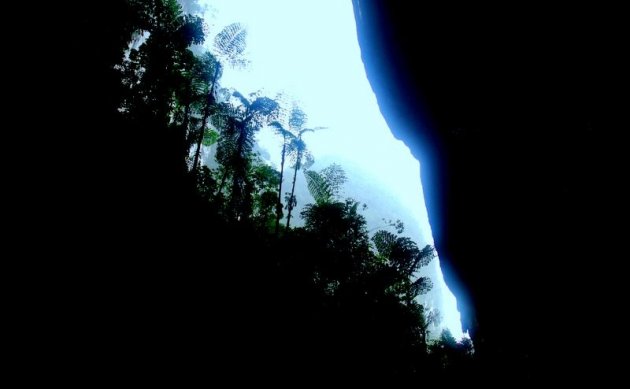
(297, 118)
(317, 187)
(425, 256)
(421, 286)
(264, 106)
(210, 137)
(231, 42)
(242, 99)
(307, 160)
(384, 242)
(290, 200)
(287, 135)
(305, 130)
(335, 176)
(278, 127)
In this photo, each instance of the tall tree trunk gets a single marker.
(297, 165)
(206, 114)
(239, 176)
(214, 78)
(279, 205)
(202, 130)
(187, 109)
(222, 184)
(186, 117)
(184, 132)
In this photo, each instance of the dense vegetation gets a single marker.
(213, 274)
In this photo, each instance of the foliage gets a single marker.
(318, 187)
(206, 183)
(335, 178)
(287, 140)
(231, 44)
(153, 72)
(325, 290)
(265, 181)
(297, 151)
(210, 137)
(450, 355)
(239, 120)
(325, 186)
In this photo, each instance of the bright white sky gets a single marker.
(308, 49)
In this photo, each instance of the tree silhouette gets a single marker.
(327, 291)
(240, 121)
(265, 182)
(298, 153)
(288, 138)
(452, 358)
(402, 260)
(229, 45)
(207, 72)
(155, 70)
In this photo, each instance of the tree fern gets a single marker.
(239, 121)
(403, 255)
(287, 138)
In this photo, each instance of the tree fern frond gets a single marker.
(335, 177)
(317, 187)
(287, 136)
(305, 130)
(354, 208)
(264, 107)
(242, 99)
(210, 137)
(221, 116)
(425, 256)
(208, 66)
(384, 242)
(421, 286)
(231, 42)
(297, 119)
(278, 127)
(307, 160)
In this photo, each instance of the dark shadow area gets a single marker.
(137, 271)
(514, 114)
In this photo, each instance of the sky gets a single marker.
(308, 50)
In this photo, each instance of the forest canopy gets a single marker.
(231, 270)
